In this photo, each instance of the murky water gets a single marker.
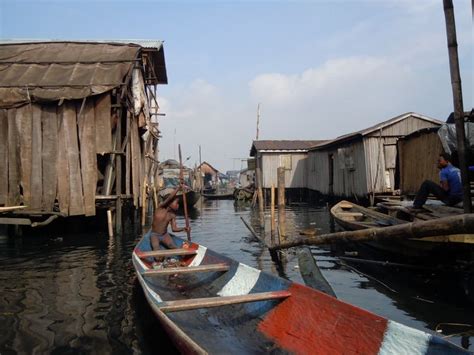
(77, 293)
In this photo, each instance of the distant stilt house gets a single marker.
(289, 154)
(209, 174)
(77, 126)
(362, 163)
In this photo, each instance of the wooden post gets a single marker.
(272, 211)
(110, 224)
(259, 181)
(185, 204)
(118, 174)
(281, 202)
(457, 98)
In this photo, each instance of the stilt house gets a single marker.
(362, 163)
(76, 125)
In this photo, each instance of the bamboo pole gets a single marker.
(185, 205)
(460, 224)
(458, 102)
(281, 203)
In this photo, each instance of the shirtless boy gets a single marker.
(164, 215)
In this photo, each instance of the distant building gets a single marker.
(289, 154)
(365, 162)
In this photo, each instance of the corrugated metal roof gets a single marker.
(279, 145)
(54, 70)
(374, 128)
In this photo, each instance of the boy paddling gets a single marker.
(165, 215)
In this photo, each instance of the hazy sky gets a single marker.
(319, 68)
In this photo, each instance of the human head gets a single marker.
(174, 204)
(443, 160)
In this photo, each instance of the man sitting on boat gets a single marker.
(165, 215)
(450, 189)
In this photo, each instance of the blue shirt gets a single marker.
(452, 175)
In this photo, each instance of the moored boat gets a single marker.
(219, 196)
(351, 216)
(215, 304)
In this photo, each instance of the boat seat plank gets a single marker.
(208, 302)
(167, 252)
(187, 269)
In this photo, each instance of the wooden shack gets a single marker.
(289, 154)
(418, 155)
(362, 163)
(75, 126)
(209, 174)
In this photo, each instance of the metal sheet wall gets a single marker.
(294, 178)
(349, 170)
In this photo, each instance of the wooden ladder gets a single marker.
(208, 302)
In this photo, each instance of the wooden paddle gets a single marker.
(185, 205)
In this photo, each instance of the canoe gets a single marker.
(354, 217)
(219, 196)
(351, 216)
(216, 305)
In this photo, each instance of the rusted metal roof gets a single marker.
(283, 145)
(51, 71)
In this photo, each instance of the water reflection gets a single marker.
(78, 293)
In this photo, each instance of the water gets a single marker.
(77, 293)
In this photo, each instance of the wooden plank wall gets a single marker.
(3, 157)
(48, 155)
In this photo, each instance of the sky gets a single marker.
(319, 69)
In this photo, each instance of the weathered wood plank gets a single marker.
(103, 132)
(187, 270)
(136, 161)
(13, 160)
(167, 252)
(3, 156)
(62, 165)
(88, 157)
(17, 221)
(36, 179)
(24, 125)
(197, 303)
(127, 157)
(49, 122)
(76, 199)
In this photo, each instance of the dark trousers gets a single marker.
(430, 187)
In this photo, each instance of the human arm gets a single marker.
(175, 228)
(170, 198)
(443, 177)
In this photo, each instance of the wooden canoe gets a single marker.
(216, 305)
(219, 196)
(192, 196)
(351, 216)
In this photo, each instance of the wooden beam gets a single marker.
(17, 221)
(197, 303)
(188, 269)
(167, 252)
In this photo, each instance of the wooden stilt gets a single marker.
(281, 203)
(110, 224)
